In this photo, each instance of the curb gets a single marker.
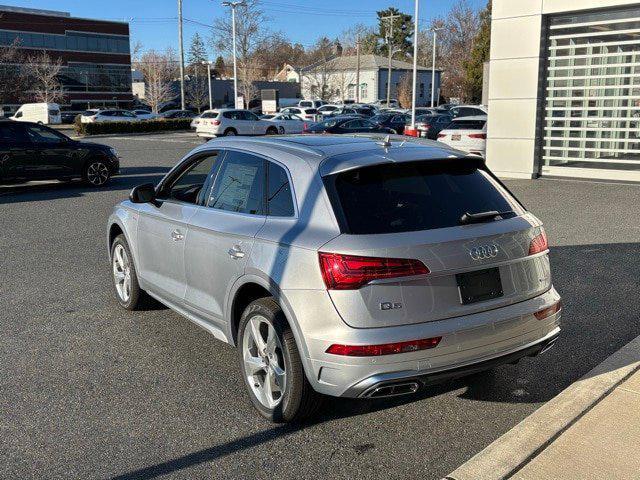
(513, 450)
(131, 134)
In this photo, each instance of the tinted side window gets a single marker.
(11, 132)
(279, 200)
(239, 185)
(43, 135)
(189, 184)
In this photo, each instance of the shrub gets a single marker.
(156, 125)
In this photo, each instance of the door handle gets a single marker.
(236, 252)
(177, 235)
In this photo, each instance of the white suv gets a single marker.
(229, 121)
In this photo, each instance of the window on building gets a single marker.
(364, 91)
(421, 90)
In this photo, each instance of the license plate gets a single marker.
(456, 138)
(479, 285)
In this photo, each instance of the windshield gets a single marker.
(413, 196)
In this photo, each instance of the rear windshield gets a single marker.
(406, 197)
(310, 111)
(209, 115)
(466, 125)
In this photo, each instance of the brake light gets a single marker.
(547, 312)
(215, 122)
(383, 349)
(539, 243)
(349, 272)
(442, 135)
(410, 131)
(305, 126)
(482, 136)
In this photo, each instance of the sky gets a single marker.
(154, 22)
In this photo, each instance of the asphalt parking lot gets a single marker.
(88, 390)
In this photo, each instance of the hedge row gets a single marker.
(156, 125)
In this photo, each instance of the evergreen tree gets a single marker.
(197, 52)
(402, 30)
(219, 67)
(479, 55)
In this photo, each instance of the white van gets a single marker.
(43, 113)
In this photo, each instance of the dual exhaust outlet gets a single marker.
(393, 390)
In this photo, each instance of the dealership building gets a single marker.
(564, 89)
(95, 53)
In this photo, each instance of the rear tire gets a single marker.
(265, 371)
(230, 132)
(281, 130)
(272, 131)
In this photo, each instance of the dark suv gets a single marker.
(34, 152)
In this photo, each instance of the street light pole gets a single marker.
(181, 46)
(433, 67)
(210, 92)
(233, 6)
(358, 69)
(415, 65)
(389, 36)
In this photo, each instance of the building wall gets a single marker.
(423, 85)
(514, 87)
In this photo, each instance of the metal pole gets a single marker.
(210, 93)
(389, 46)
(415, 65)
(358, 69)
(433, 69)
(181, 54)
(235, 67)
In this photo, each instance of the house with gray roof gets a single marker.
(336, 79)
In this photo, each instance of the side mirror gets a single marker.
(143, 193)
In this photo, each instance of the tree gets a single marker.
(45, 73)
(474, 66)
(402, 27)
(405, 90)
(365, 33)
(197, 93)
(197, 51)
(158, 70)
(14, 79)
(316, 77)
(219, 68)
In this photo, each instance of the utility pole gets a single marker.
(181, 54)
(358, 69)
(389, 37)
(233, 6)
(415, 65)
(209, 78)
(433, 67)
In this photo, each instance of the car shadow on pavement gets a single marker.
(128, 178)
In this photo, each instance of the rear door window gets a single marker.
(406, 197)
(12, 133)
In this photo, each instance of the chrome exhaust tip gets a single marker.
(393, 390)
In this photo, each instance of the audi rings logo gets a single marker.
(484, 251)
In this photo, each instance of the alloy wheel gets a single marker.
(264, 365)
(122, 272)
(97, 173)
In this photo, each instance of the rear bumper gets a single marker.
(399, 383)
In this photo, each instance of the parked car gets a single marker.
(145, 115)
(286, 122)
(178, 114)
(468, 134)
(42, 113)
(67, 117)
(346, 124)
(408, 265)
(311, 103)
(29, 151)
(429, 126)
(328, 109)
(114, 115)
(230, 121)
(467, 111)
(308, 114)
(395, 122)
(196, 120)
(393, 103)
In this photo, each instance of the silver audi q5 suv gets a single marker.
(346, 266)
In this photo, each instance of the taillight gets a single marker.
(305, 126)
(411, 132)
(547, 312)
(349, 272)
(442, 135)
(215, 122)
(481, 136)
(383, 349)
(539, 243)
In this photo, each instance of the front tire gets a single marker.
(271, 366)
(272, 131)
(97, 173)
(125, 279)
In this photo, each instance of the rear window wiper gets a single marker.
(489, 216)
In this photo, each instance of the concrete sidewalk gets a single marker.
(591, 430)
(603, 443)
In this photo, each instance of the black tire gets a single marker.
(138, 299)
(272, 131)
(96, 173)
(281, 130)
(230, 132)
(299, 400)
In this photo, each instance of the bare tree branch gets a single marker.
(158, 70)
(45, 73)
